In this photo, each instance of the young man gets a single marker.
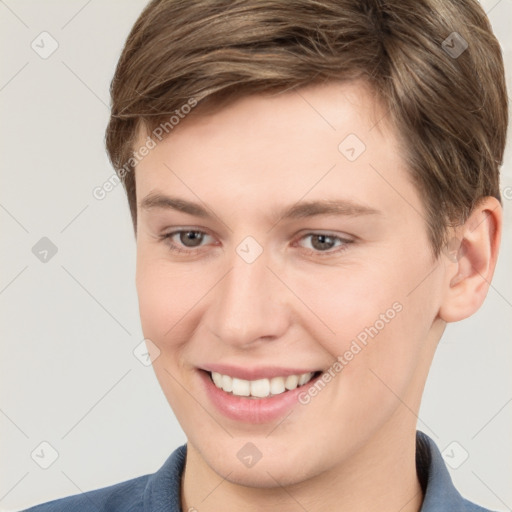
(314, 187)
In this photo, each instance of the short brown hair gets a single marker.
(448, 102)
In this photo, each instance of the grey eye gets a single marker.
(322, 242)
(191, 238)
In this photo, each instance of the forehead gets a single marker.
(331, 139)
(336, 103)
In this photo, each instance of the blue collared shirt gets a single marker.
(160, 491)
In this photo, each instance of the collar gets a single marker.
(439, 493)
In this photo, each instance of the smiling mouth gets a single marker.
(261, 388)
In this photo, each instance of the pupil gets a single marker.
(191, 238)
(322, 242)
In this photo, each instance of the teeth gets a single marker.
(239, 387)
(217, 379)
(277, 385)
(291, 382)
(303, 379)
(260, 388)
(227, 383)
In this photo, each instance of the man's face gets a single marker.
(303, 249)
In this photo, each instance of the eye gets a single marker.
(185, 240)
(317, 243)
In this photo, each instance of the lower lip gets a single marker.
(252, 410)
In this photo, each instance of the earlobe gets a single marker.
(472, 254)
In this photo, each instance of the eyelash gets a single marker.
(167, 237)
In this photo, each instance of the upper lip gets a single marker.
(257, 372)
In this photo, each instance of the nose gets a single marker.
(250, 304)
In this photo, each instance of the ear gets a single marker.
(471, 256)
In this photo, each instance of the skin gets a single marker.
(296, 305)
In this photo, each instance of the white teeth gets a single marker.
(303, 379)
(291, 382)
(277, 385)
(240, 387)
(227, 383)
(260, 388)
(217, 379)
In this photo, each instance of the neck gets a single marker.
(381, 476)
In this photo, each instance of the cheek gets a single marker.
(167, 296)
(166, 291)
(344, 301)
(368, 319)
(168, 306)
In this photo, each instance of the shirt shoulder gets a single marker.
(145, 493)
(440, 494)
(125, 496)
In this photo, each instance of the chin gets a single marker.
(271, 467)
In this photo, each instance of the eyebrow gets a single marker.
(299, 210)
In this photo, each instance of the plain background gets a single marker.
(69, 325)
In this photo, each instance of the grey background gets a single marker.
(69, 325)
